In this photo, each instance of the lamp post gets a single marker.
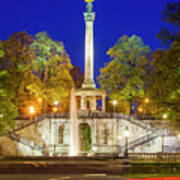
(56, 103)
(31, 111)
(114, 104)
(39, 100)
(126, 135)
(163, 134)
(146, 101)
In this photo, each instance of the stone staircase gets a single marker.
(153, 133)
(27, 142)
(145, 139)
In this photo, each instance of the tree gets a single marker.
(123, 77)
(52, 66)
(8, 110)
(1, 50)
(17, 61)
(171, 15)
(165, 87)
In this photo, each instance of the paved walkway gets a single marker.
(59, 177)
(74, 177)
(158, 178)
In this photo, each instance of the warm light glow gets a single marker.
(55, 109)
(31, 110)
(114, 102)
(178, 136)
(126, 132)
(140, 109)
(40, 100)
(147, 100)
(56, 103)
(165, 116)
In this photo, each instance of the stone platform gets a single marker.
(64, 165)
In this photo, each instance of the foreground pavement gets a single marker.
(59, 177)
(74, 177)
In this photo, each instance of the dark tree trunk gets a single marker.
(131, 106)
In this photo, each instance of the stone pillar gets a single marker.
(83, 99)
(94, 132)
(94, 103)
(103, 103)
(89, 16)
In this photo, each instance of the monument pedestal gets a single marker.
(90, 99)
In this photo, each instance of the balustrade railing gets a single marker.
(27, 142)
(145, 139)
(155, 156)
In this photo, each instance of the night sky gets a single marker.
(64, 21)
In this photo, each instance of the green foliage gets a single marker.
(52, 66)
(164, 88)
(123, 77)
(17, 61)
(171, 15)
(1, 49)
(8, 110)
(85, 137)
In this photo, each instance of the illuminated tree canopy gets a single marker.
(123, 76)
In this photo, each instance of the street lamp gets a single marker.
(56, 103)
(165, 116)
(163, 134)
(140, 110)
(126, 135)
(146, 100)
(39, 100)
(114, 104)
(55, 109)
(31, 111)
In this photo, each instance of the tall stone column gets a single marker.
(83, 105)
(94, 103)
(103, 103)
(89, 16)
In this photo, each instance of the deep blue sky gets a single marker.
(64, 21)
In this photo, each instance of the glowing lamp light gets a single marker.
(40, 100)
(165, 116)
(126, 132)
(178, 136)
(147, 100)
(114, 102)
(140, 109)
(56, 103)
(55, 109)
(31, 110)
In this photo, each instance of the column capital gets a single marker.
(89, 16)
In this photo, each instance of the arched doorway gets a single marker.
(61, 134)
(85, 137)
